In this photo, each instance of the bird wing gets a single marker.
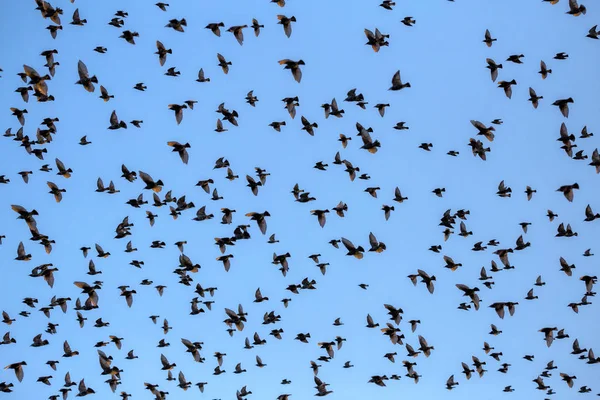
(164, 361)
(82, 70)
(396, 81)
(348, 244)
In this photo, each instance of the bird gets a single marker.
(507, 86)
(593, 32)
(18, 369)
(516, 58)
(397, 82)
(408, 21)
(544, 70)
(162, 52)
(177, 24)
(256, 27)
(567, 191)
(84, 79)
(115, 123)
(201, 77)
(387, 4)
(576, 10)
(215, 27)
(178, 109)
(54, 190)
(487, 132)
(77, 20)
(488, 40)
(129, 36)
(286, 23)
(563, 105)
(534, 98)
(251, 98)
(181, 149)
(238, 33)
(493, 67)
(223, 63)
(294, 67)
(357, 252)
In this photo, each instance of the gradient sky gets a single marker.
(443, 58)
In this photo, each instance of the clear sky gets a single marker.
(444, 59)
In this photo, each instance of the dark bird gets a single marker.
(544, 71)
(515, 58)
(387, 4)
(493, 67)
(397, 82)
(308, 126)
(534, 98)
(215, 27)
(237, 32)
(162, 52)
(223, 63)
(54, 190)
(593, 32)
(256, 26)
(590, 215)
(178, 111)
(129, 36)
(398, 196)
(387, 209)
(150, 183)
(294, 67)
(251, 98)
(357, 252)
(181, 149)
(260, 220)
(115, 123)
(488, 40)
(320, 216)
(20, 114)
(84, 79)
(253, 185)
(287, 24)
(567, 191)
(104, 94)
(201, 77)
(177, 24)
(76, 20)
(408, 21)
(563, 106)
(484, 130)
(376, 245)
(18, 369)
(62, 170)
(575, 10)
(507, 86)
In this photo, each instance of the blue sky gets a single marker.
(443, 58)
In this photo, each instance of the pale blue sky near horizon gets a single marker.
(443, 58)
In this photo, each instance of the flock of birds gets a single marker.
(86, 296)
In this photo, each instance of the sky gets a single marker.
(443, 58)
